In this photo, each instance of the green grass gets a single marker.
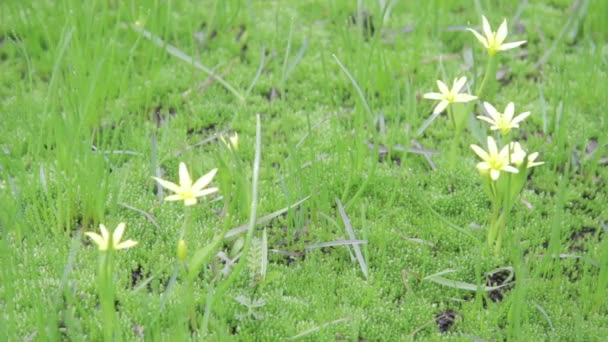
(91, 109)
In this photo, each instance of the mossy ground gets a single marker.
(89, 108)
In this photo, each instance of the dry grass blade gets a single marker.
(437, 278)
(241, 229)
(318, 327)
(174, 51)
(351, 233)
(146, 214)
(335, 243)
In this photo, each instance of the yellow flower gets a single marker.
(503, 122)
(448, 96)
(518, 156)
(493, 41)
(232, 143)
(493, 161)
(187, 191)
(103, 240)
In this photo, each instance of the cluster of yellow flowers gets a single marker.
(511, 157)
(186, 191)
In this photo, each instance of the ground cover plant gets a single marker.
(303, 170)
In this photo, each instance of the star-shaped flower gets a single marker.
(448, 96)
(232, 143)
(518, 156)
(103, 240)
(187, 191)
(503, 122)
(493, 161)
(493, 41)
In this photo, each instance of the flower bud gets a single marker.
(182, 250)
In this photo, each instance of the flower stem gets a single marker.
(490, 73)
(106, 294)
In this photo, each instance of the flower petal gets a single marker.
(483, 166)
(492, 148)
(487, 30)
(464, 98)
(101, 243)
(492, 112)
(509, 111)
(204, 181)
(433, 96)
(117, 235)
(104, 232)
(205, 192)
(458, 84)
(440, 107)
(184, 177)
(501, 34)
(510, 168)
(512, 45)
(442, 87)
(480, 152)
(167, 185)
(494, 174)
(190, 201)
(174, 198)
(126, 244)
(479, 37)
(486, 119)
(521, 117)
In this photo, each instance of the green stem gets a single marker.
(106, 294)
(456, 142)
(490, 73)
(494, 225)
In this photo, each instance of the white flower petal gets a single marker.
(487, 30)
(117, 235)
(101, 243)
(483, 166)
(174, 198)
(190, 201)
(441, 106)
(501, 34)
(487, 119)
(442, 87)
(521, 117)
(433, 96)
(492, 112)
(167, 185)
(512, 45)
(205, 192)
(464, 98)
(509, 111)
(104, 232)
(479, 37)
(458, 84)
(126, 244)
(480, 152)
(184, 177)
(204, 181)
(492, 148)
(509, 168)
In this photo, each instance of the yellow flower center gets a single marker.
(186, 193)
(493, 45)
(450, 97)
(503, 125)
(495, 162)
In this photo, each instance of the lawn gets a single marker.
(291, 170)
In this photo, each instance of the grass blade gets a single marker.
(351, 233)
(174, 51)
